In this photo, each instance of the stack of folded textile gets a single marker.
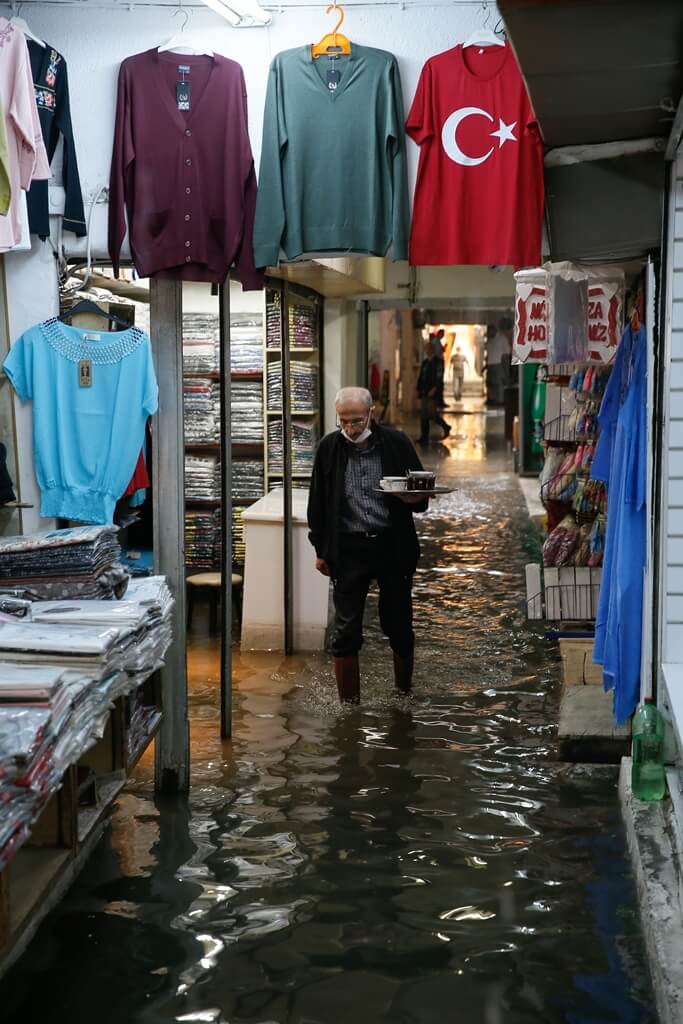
(247, 478)
(303, 386)
(304, 444)
(246, 342)
(303, 326)
(201, 402)
(202, 478)
(238, 547)
(274, 320)
(200, 540)
(200, 342)
(59, 676)
(78, 562)
(246, 425)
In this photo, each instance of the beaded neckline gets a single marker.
(99, 353)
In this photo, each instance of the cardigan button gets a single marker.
(188, 259)
(188, 191)
(188, 132)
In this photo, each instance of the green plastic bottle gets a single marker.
(648, 779)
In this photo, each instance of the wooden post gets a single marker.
(173, 746)
(226, 513)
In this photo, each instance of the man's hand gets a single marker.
(322, 566)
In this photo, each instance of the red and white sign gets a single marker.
(605, 318)
(532, 323)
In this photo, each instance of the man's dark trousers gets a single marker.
(362, 559)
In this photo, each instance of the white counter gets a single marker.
(263, 610)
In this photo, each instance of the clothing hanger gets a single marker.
(179, 43)
(484, 36)
(21, 25)
(88, 306)
(333, 42)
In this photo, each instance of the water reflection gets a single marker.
(404, 862)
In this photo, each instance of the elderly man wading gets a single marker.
(360, 536)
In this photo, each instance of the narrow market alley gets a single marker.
(408, 861)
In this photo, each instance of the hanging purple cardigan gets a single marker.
(185, 178)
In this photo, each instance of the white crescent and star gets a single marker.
(449, 141)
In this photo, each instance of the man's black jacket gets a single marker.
(326, 495)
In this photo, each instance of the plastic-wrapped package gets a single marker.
(565, 313)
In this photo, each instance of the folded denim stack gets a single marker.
(246, 342)
(246, 424)
(82, 562)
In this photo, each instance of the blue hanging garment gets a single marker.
(621, 463)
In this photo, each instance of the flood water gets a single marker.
(406, 862)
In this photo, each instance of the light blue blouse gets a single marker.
(86, 439)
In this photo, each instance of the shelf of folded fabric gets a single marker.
(203, 375)
(295, 412)
(67, 675)
(153, 726)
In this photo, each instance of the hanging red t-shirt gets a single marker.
(479, 193)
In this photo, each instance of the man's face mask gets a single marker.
(355, 429)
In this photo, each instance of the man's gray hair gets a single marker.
(354, 394)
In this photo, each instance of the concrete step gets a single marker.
(587, 732)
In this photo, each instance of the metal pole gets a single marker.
(226, 513)
(363, 354)
(287, 475)
(168, 491)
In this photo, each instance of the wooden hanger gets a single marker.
(333, 42)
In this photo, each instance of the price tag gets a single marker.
(85, 373)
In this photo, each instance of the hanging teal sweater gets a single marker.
(333, 163)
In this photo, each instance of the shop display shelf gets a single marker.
(569, 593)
(137, 754)
(108, 788)
(203, 446)
(295, 412)
(203, 375)
(203, 502)
(246, 375)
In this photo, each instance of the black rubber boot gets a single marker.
(347, 671)
(403, 672)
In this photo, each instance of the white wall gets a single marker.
(95, 41)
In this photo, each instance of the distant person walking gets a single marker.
(458, 363)
(429, 384)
